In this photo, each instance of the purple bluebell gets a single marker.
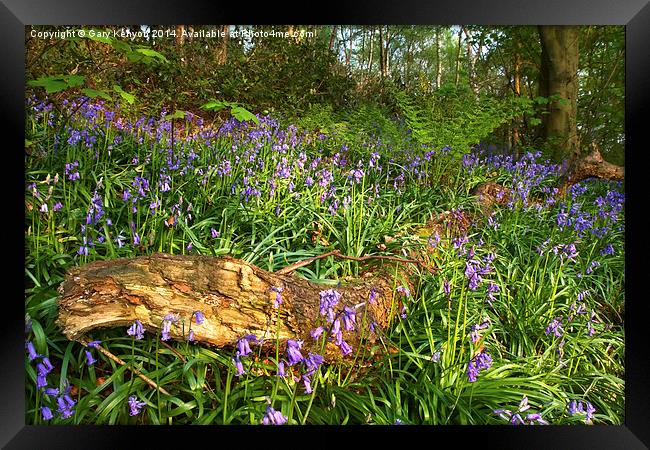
(41, 381)
(281, 371)
(46, 413)
(273, 417)
(65, 405)
(136, 330)
(607, 250)
(199, 318)
(349, 315)
(135, 406)
(52, 392)
(312, 362)
(307, 383)
(243, 345)
(316, 332)
(239, 366)
(278, 296)
(404, 291)
(31, 350)
(293, 351)
(89, 358)
(345, 348)
(555, 327)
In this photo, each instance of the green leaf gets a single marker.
(151, 53)
(51, 85)
(74, 80)
(93, 93)
(213, 105)
(243, 114)
(130, 98)
(58, 82)
(176, 115)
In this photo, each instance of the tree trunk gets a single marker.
(382, 56)
(180, 37)
(222, 49)
(332, 37)
(235, 297)
(560, 62)
(517, 82)
(460, 35)
(372, 42)
(438, 62)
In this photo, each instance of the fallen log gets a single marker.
(591, 165)
(235, 297)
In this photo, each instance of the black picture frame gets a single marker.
(634, 14)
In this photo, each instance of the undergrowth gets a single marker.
(523, 323)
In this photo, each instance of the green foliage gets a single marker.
(238, 112)
(57, 83)
(419, 372)
(455, 117)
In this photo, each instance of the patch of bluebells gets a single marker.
(515, 418)
(482, 361)
(273, 417)
(243, 350)
(580, 408)
(474, 330)
(329, 299)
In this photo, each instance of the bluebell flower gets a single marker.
(166, 326)
(278, 296)
(345, 348)
(32, 351)
(281, 371)
(65, 405)
(41, 381)
(590, 410)
(46, 413)
(136, 330)
(349, 315)
(52, 392)
(239, 366)
(312, 362)
(135, 406)
(316, 332)
(273, 417)
(243, 347)
(199, 318)
(89, 358)
(293, 351)
(307, 383)
(446, 287)
(404, 291)
(555, 327)
(607, 250)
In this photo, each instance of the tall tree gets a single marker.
(559, 80)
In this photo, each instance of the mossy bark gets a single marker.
(235, 297)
